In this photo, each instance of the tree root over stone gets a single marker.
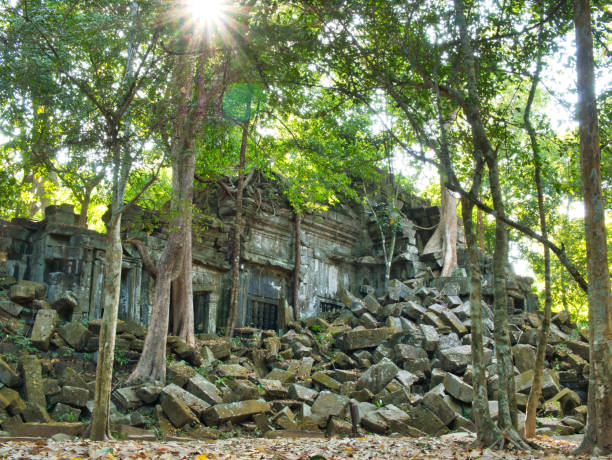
(503, 440)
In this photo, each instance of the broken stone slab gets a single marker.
(368, 321)
(449, 318)
(549, 386)
(580, 348)
(426, 421)
(185, 351)
(36, 413)
(372, 304)
(241, 390)
(431, 339)
(232, 370)
(75, 334)
(127, 398)
(148, 392)
(25, 291)
(273, 389)
(65, 413)
(195, 404)
(330, 404)
(412, 359)
(9, 376)
(48, 430)
(567, 399)
(378, 376)
(33, 383)
(293, 434)
(234, 412)
(432, 318)
(435, 401)
(413, 310)
(456, 359)
(11, 308)
(177, 410)
(406, 378)
(43, 329)
(283, 375)
(204, 389)
(302, 393)
(66, 303)
(326, 381)
(179, 373)
(73, 396)
(524, 357)
(221, 347)
(398, 421)
(458, 388)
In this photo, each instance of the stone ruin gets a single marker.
(361, 357)
(341, 250)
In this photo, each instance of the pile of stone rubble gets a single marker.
(395, 364)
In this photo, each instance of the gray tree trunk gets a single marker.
(598, 436)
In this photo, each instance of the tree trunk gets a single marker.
(152, 363)
(536, 386)
(487, 433)
(88, 189)
(297, 265)
(598, 435)
(233, 307)
(182, 295)
(480, 229)
(100, 429)
(507, 419)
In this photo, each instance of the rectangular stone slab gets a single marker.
(234, 412)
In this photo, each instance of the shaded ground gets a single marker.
(453, 446)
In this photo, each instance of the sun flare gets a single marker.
(209, 13)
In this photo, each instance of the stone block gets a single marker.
(65, 413)
(234, 412)
(36, 413)
(66, 303)
(195, 404)
(435, 401)
(426, 421)
(177, 411)
(149, 392)
(11, 402)
(456, 359)
(524, 357)
(73, 396)
(413, 310)
(330, 404)
(378, 376)
(127, 398)
(326, 381)
(44, 327)
(48, 430)
(32, 380)
(11, 308)
(179, 373)
(75, 334)
(364, 338)
(431, 339)
(302, 393)
(9, 376)
(203, 389)
(458, 388)
(232, 370)
(449, 318)
(371, 303)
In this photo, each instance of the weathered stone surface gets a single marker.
(232, 370)
(302, 393)
(413, 310)
(281, 374)
(567, 399)
(203, 389)
(44, 327)
(273, 389)
(148, 393)
(48, 430)
(325, 380)
(75, 334)
(66, 303)
(378, 376)
(11, 308)
(549, 387)
(73, 396)
(368, 321)
(8, 375)
(524, 357)
(458, 388)
(26, 291)
(127, 398)
(449, 318)
(413, 359)
(179, 373)
(32, 380)
(65, 413)
(406, 378)
(195, 404)
(580, 348)
(431, 318)
(234, 412)
(434, 400)
(176, 410)
(36, 413)
(425, 420)
(456, 359)
(372, 304)
(11, 401)
(221, 347)
(330, 404)
(184, 351)
(430, 337)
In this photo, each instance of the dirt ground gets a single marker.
(453, 446)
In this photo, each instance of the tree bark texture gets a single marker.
(182, 294)
(297, 266)
(100, 429)
(507, 419)
(536, 386)
(598, 434)
(444, 237)
(233, 307)
(152, 363)
(487, 433)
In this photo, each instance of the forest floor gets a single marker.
(453, 446)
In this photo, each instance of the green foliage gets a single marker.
(121, 358)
